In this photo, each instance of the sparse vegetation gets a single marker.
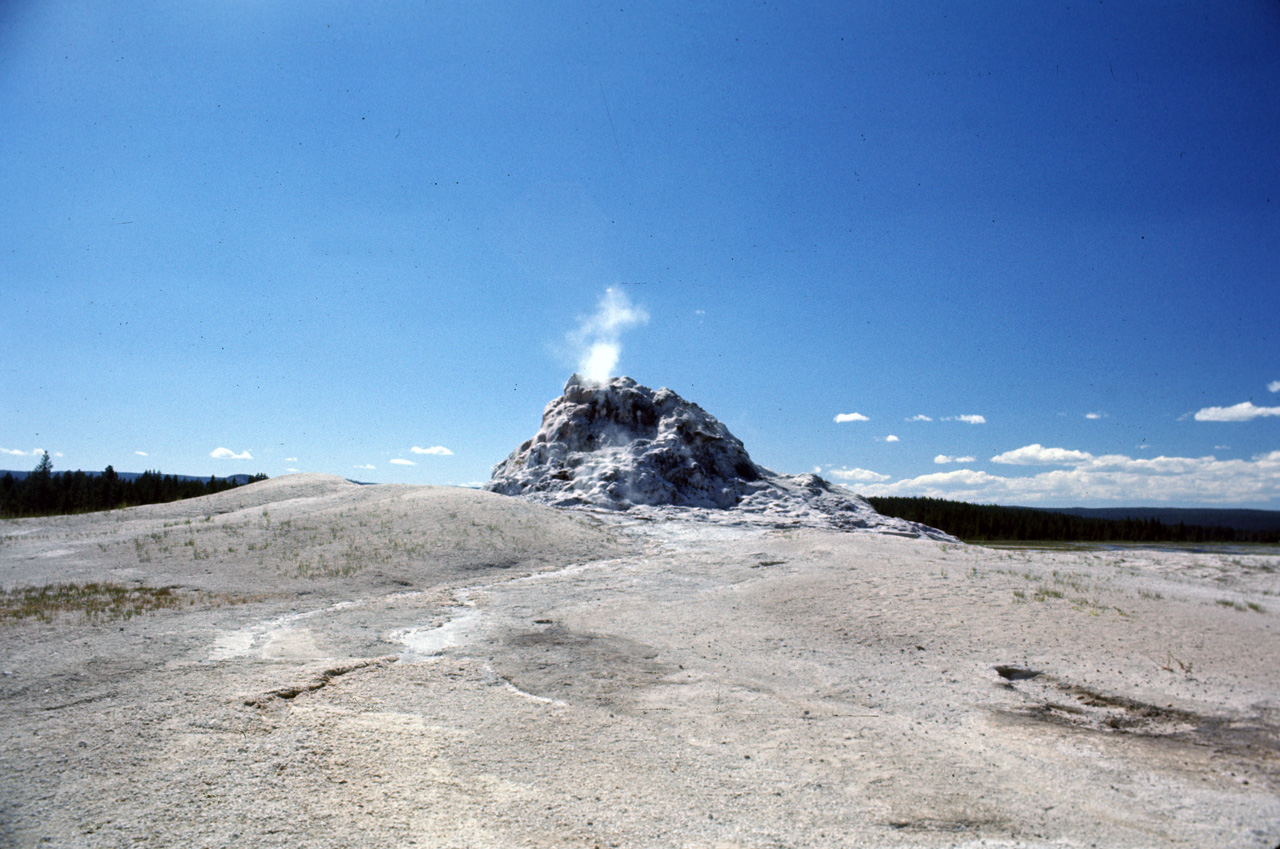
(96, 602)
(1182, 666)
(1241, 605)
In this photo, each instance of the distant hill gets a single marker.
(1240, 520)
(133, 476)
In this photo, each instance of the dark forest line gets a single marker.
(44, 492)
(991, 523)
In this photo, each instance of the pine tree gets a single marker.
(40, 486)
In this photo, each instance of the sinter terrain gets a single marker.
(749, 660)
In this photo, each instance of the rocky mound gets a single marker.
(623, 446)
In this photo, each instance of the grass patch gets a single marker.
(1241, 606)
(95, 602)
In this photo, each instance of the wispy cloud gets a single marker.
(856, 475)
(366, 467)
(920, 418)
(291, 459)
(943, 459)
(439, 450)
(400, 462)
(34, 452)
(1109, 478)
(1037, 455)
(142, 453)
(889, 438)
(1274, 386)
(851, 417)
(967, 419)
(1095, 416)
(228, 454)
(1241, 412)
(597, 340)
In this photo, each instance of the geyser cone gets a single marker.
(618, 445)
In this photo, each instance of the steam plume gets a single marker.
(598, 338)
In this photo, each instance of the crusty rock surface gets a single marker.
(623, 446)
(398, 666)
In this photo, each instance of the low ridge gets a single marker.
(623, 446)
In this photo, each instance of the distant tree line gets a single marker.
(987, 522)
(46, 493)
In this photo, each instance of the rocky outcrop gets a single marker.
(623, 446)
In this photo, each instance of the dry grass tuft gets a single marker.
(98, 602)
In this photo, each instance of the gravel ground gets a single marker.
(306, 662)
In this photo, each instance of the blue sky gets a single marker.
(1035, 248)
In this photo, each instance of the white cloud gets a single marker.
(291, 470)
(291, 459)
(1094, 416)
(366, 466)
(943, 459)
(856, 475)
(1274, 386)
(1110, 478)
(17, 452)
(891, 438)
(597, 339)
(851, 417)
(434, 449)
(399, 462)
(920, 418)
(1242, 412)
(1037, 455)
(965, 477)
(967, 419)
(142, 453)
(228, 454)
